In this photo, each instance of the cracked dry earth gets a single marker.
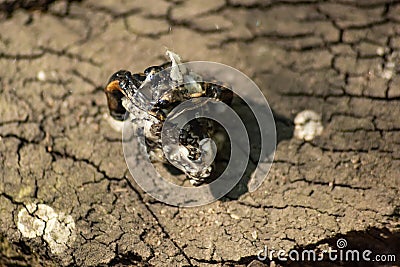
(64, 194)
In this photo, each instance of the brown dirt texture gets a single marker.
(65, 199)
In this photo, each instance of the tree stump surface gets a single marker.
(64, 194)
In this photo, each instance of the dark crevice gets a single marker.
(8, 7)
(164, 231)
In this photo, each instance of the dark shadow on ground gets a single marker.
(9, 7)
(284, 131)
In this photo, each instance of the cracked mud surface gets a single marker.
(338, 58)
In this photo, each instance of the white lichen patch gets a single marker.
(307, 125)
(389, 69)
(57, 229)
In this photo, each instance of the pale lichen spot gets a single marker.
(389, 69)
(40, 220)
(307, 125)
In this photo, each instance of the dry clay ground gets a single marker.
(64, 196)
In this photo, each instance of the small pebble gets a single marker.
(234, 216)
(380, 51)
(254, 234)
(41, 76)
